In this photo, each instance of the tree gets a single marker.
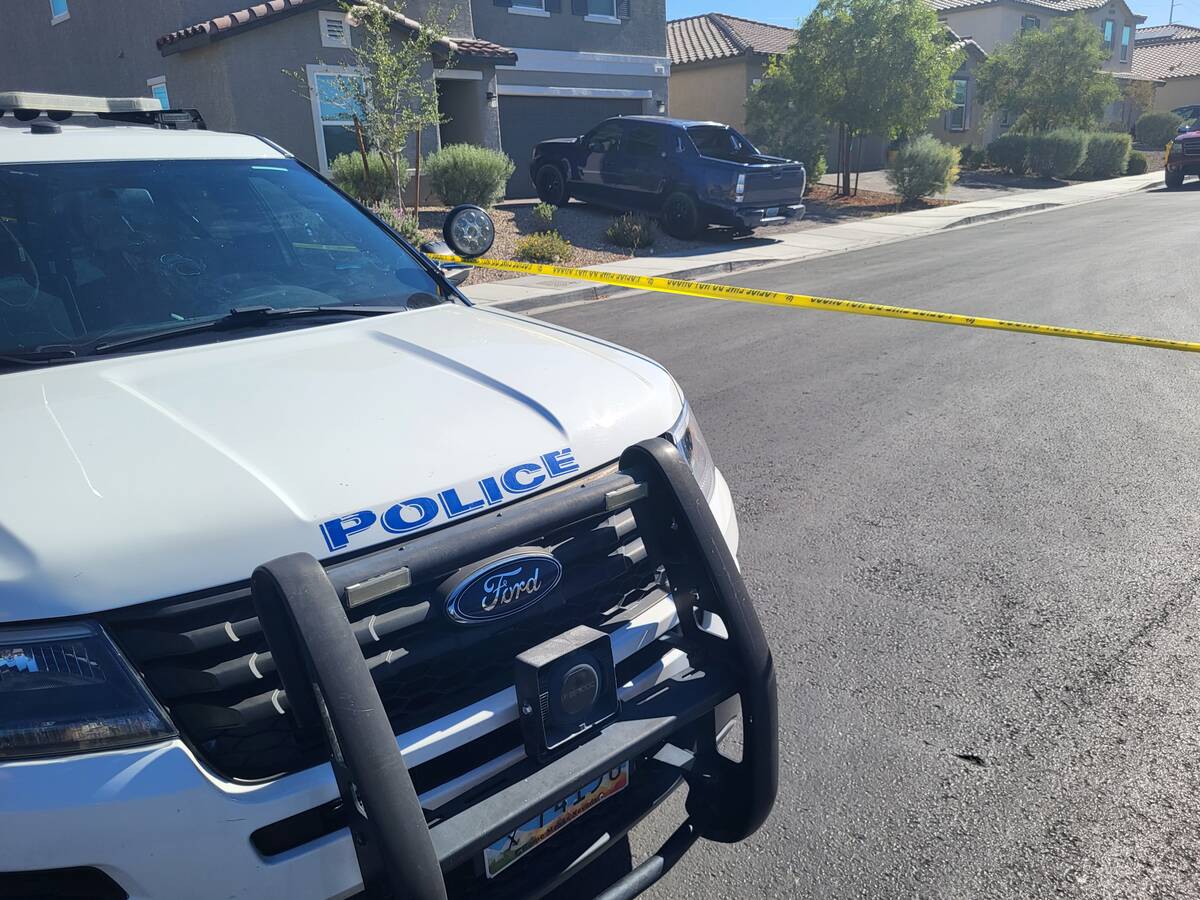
(1050, 78)
(396, 96)
(772, 122)
(867, 66)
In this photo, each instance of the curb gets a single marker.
(597, 292)
(606, 291)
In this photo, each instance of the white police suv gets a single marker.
(316, 579)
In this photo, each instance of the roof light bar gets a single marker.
(65, 103)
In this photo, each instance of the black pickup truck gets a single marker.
(689, 174)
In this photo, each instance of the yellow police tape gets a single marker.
(804, 301)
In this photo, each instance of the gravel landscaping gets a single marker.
(584, 226)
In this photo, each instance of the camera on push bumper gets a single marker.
(566, 687)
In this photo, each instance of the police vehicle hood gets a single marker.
(157, 474)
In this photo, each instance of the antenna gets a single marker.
(1171, 15)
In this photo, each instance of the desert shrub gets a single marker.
(346, 171)
(631, 230)
(971, 157)
(405, 223)
(543, 214)
(1010, 152)
(1138, 164)
(1057, 154)
(464, 173)
(923, 166)
(1107, 155)
(1156, 128)
(543, 247)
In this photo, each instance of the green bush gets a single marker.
(1010, 152)
(971, 158)
(1114, 127)
(346, 171)
(1138, 164)
(1107, 155)
(631, 230)
(1057, 154)
(1156, 128)
(543, 214)
(464, 173)
(922, 167)
(543, 247)
(405, 223)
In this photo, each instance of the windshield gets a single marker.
(91, 251)
(720, 142)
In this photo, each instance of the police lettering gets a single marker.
(451, 503)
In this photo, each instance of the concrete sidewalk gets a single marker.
(533, 292)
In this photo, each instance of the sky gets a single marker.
(788, 12)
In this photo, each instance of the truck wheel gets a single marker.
(1173, 180)
(552, 185)
(680, 216)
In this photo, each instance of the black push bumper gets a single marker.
(400, 852)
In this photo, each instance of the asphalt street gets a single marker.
(976, 556)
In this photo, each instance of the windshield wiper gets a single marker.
(41, 357)
(239, 317)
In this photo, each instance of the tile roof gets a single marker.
(1173, 59)
(1065, 6)
(263, 13)
(1166, 33)
(720, 36)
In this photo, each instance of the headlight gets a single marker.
(687, 437)
(66, 689)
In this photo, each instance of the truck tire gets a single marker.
(551, 185)
(681, 216)
(1173, 180)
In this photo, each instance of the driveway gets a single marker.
(975, 556)
(970, 185)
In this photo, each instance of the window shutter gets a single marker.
(579, 7)
(623, 9)
(553, 6)
(502, 2)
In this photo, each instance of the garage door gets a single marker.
(524, 121)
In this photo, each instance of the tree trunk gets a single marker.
(362, 150)
(843, 160)
(397, 162)
(417, 180)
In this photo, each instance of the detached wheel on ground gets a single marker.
(1173, 180)
(551, 185)
(680, 216)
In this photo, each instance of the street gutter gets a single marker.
(535, 294)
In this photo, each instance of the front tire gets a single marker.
(551, 185)
(680, 216)
(1173, 180)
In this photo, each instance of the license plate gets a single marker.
(772, 212)
(509, 849)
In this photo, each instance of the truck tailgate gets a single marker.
(777, 185)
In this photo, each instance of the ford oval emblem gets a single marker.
(503, 587)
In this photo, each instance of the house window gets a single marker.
(1108, 34)
(335, 94)
(59, 11)
(605, 9)
(334, 31)
(1028, 22)
(529, 4)
(956, 118)
(1125, 35)
(158, 90)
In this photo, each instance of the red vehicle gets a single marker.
(1183, 157)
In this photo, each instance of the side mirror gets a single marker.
(469, 231)
(1183, 128)
(455, 273)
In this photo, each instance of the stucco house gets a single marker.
(273, 68)
(715, 61)
(1171, 54)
